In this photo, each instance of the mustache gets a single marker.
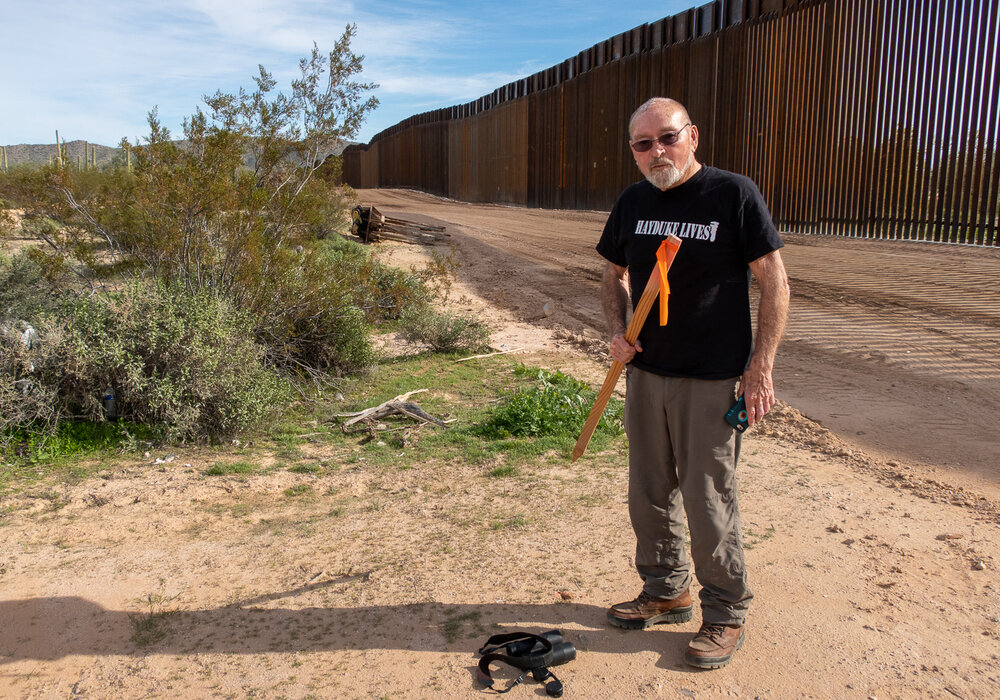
(662, 160)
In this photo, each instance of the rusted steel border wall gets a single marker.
(867, 118)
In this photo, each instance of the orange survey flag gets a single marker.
(661, 262)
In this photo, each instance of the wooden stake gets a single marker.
(649, 295)
(490, 354)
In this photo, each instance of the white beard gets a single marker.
(665, 178)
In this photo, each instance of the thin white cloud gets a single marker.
(293, 26)
(270, 25)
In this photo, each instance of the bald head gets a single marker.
(664, 105)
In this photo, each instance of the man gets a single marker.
(683, 377)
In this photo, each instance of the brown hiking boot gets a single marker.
(646, 611)
(714, 646)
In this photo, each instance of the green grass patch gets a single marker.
(240, 510)
(225, 468)
(74, 452)
(514, 522)
(72, 440)
(308, 468)
(751, 538)
(555, 404)
(299, 490)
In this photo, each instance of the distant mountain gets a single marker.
(41, 154)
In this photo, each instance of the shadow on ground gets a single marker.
(51, 628)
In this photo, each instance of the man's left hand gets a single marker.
(758, 390)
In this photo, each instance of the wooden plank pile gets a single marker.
(371, 226)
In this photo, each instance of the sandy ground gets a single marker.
(869, 498)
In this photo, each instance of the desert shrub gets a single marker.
(28, 406)
(438, 275)
(382, 292)
(444, 331)
(558, 405)
(19, 186)
(325, 213)
(392, 292)
(180, 360)
(7, 223)
(26, 292)
(182, 363)
(314, 321)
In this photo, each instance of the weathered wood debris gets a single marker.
(367, 419)
(371, 226)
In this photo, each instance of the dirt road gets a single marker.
(895, 347)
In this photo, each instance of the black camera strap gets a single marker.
(534, 663)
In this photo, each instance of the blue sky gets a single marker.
(93, 70)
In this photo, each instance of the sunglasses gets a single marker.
(667, 139)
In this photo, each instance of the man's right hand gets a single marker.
(621, 350)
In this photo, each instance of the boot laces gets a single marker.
(643, 599)
(713, 632)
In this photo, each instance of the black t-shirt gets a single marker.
(724, 224)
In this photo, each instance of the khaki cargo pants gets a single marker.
(682, 460)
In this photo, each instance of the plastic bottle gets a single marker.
(109, 402)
